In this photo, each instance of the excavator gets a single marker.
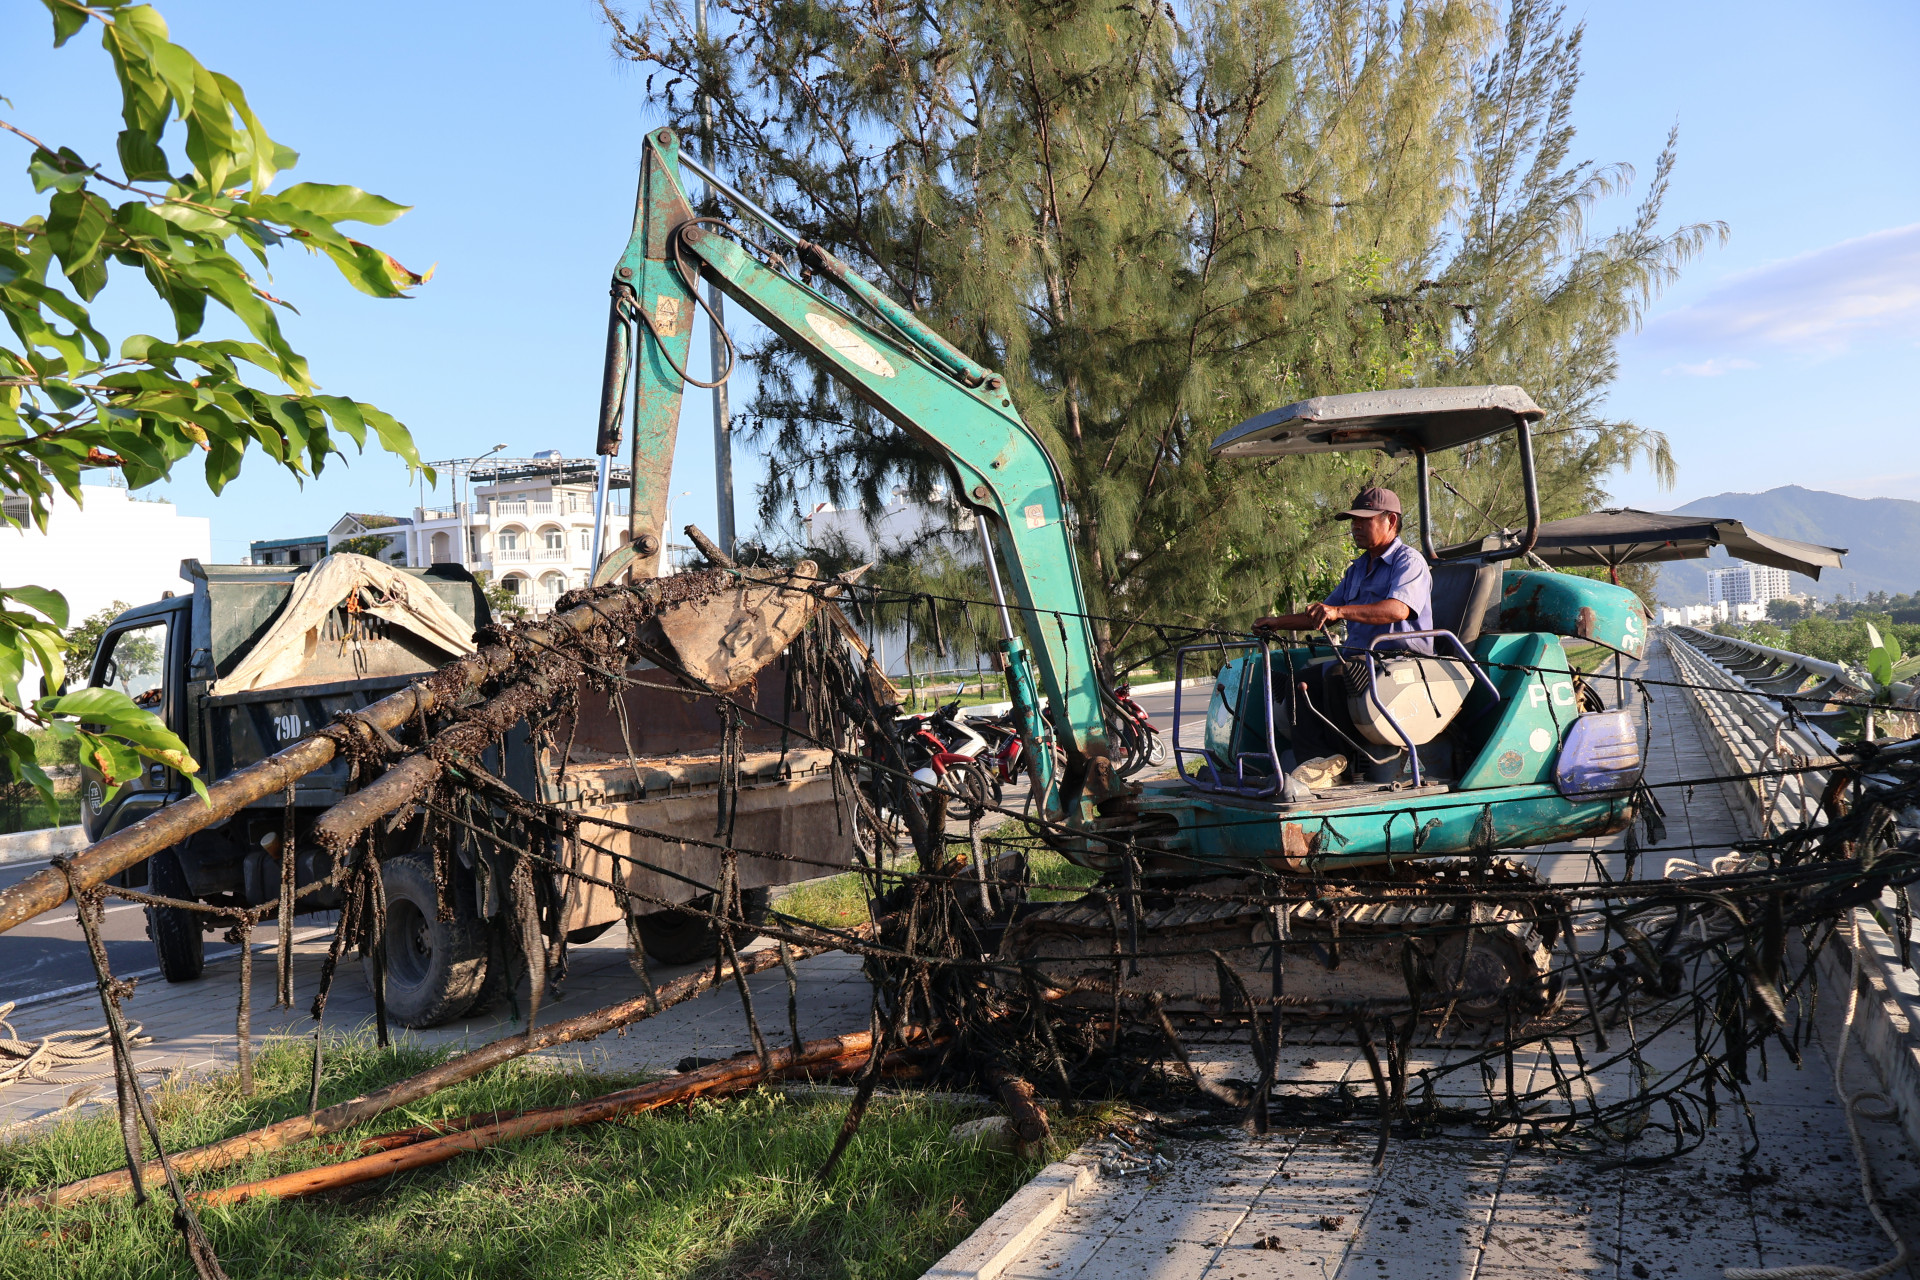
(1505, 745)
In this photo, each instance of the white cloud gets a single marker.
(1818, 302)
(1713, 368)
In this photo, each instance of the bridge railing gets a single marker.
(1766, 743)
(1736, 688)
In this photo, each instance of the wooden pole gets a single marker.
(736, 1073)
(344, 1115)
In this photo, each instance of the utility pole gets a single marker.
(716, 317)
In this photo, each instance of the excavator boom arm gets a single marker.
(914, 378)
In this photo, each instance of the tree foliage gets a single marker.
(376, 545)
(71, 399)
(78, 644)
(1160, 220)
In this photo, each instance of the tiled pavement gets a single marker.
(193, 1023)
(1309, 1204)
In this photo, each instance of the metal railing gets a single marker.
(575, 504)
(1825, 692)
(1751, 730)
(1767, 742)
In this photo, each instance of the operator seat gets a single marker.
(1463, 592)
(1421, 696)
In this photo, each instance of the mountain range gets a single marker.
(1882, 537)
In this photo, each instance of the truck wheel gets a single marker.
(435, 971)
(177, 939)
(673, 937)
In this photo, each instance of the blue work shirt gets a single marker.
(1401, 574)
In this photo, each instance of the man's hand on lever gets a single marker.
(1319, 614)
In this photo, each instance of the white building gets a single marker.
(528, 523)
(114, 546)
(1747, 584)
(361, 524)
(1706, 615)
(896, 527)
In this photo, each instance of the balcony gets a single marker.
(573, 504)
(514, 555)
(551, 555)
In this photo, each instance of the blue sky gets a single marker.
(514, 131)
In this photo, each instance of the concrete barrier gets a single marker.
(38, 846)
(998, 1243)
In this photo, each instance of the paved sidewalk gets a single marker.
(193, 1024)
(1309, 1204)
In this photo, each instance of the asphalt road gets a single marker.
(50, 953)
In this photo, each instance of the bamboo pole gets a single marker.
(344, 1115)
(736, 1073)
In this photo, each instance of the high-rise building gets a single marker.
(1756, 584)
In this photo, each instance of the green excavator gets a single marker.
(1505, 746)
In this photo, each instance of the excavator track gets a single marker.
(1476, 953)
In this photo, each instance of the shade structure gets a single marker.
(1622, 535)
(1430, 418)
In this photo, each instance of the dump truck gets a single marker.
(251, 658)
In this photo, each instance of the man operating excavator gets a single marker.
(1387, 589)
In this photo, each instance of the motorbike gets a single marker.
(1134, 731)
(951, 762)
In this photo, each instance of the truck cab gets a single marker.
(169, 657)
(143, 654)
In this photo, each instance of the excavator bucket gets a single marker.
(723, 640)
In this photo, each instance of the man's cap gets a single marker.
(1372, 501)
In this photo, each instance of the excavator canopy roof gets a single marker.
(1432, 418)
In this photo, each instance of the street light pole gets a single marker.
(716, 323)
(462, 509)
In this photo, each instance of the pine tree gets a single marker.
(1158, 221)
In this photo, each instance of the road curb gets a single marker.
(39, 846)
(1000, 1241)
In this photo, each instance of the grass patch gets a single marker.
(23, 808)
(1049, 868)
(833, 902)
(1587, 658)
(711, 1191)
(50, 752)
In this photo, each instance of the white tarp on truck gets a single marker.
(377, 589)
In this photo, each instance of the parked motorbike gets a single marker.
(951, 765)
(1134, 732)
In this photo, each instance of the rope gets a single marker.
(37, 1060)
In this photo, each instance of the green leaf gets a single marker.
(67, 20)
(342, 203)
(115, 713)
(64, 172)
(51, 603)
(264, 156)
(76, 223)
(96, 706)
(115, 761)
